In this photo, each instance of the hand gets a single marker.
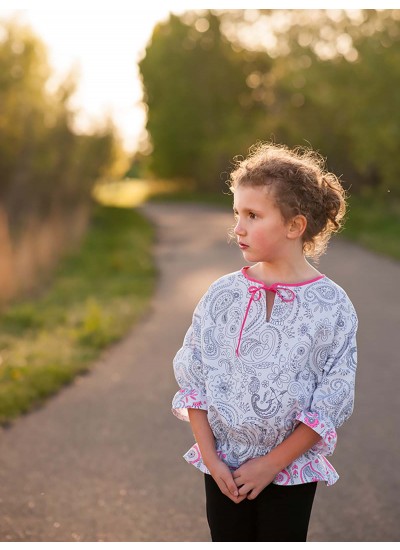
(253, 476)
(224, 479)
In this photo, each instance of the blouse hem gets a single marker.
(316, 469)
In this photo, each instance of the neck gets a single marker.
(284, 271)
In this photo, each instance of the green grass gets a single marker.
(374, 221)
(95, 297)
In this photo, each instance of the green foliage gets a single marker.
(195, 88)
(96, 295)
(330, 79)
(43, 162)
(340, 95)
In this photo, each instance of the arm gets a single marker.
(254, 475)
(206, 442)
(203, 435)
(333, 399)
(188, 369)
(190, 403)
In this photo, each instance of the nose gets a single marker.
(239, 229)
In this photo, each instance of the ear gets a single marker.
(296, 227)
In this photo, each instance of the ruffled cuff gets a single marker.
(193, 457)
(188, 398)
(324, 428)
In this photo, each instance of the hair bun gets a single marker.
(333, 199)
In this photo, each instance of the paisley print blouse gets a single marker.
(258, 378)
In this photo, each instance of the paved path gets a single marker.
(101, 460)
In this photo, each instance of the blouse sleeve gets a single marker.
(333, 399)
(188, 369)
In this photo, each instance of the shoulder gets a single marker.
(224, 285)
(230, 280)
(344, 306)
(339, 291)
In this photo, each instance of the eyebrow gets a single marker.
(254, 210)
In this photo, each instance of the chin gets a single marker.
(253, 258)
(250, 258)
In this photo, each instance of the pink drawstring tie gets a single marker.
(255, 292)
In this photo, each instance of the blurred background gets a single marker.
(108, 109)
(104, 110)
(175, 96)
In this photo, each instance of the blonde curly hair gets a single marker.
(300, 185)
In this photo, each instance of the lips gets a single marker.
(242, 245)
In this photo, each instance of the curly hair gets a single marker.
(300, 185)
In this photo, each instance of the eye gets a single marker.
(252, 216)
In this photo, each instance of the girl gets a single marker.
(267, 367)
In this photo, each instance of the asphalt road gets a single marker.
(101, 461)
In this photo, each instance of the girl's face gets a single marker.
(260, 228)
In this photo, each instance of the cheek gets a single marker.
(261, 235)
(268, 234)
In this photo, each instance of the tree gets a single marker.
(42, 160)
(325, 78)
(47, 170)
(200, 110)
(336, 75)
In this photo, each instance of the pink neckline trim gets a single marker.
(244, 273)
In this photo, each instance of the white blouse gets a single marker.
(258, 379)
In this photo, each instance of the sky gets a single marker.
(103, 45)
(103, 42)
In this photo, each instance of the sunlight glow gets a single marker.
(101, 46)
(129, 193)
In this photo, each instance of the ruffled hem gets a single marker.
(303, 470)
(325, 429)
(307, 470)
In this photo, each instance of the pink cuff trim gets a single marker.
(325, 429)
(193, 457)
(187, 399)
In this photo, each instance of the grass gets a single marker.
(95, 297)
(374, 222)
(134, 192)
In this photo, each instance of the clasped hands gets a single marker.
(247, 481)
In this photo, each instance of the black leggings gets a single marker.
(279, 513)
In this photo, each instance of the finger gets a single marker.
(253, 494)
(245, 489)
(231, 486)
(239, 499)
(224, 488)
(235, 499)
(238, 481)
